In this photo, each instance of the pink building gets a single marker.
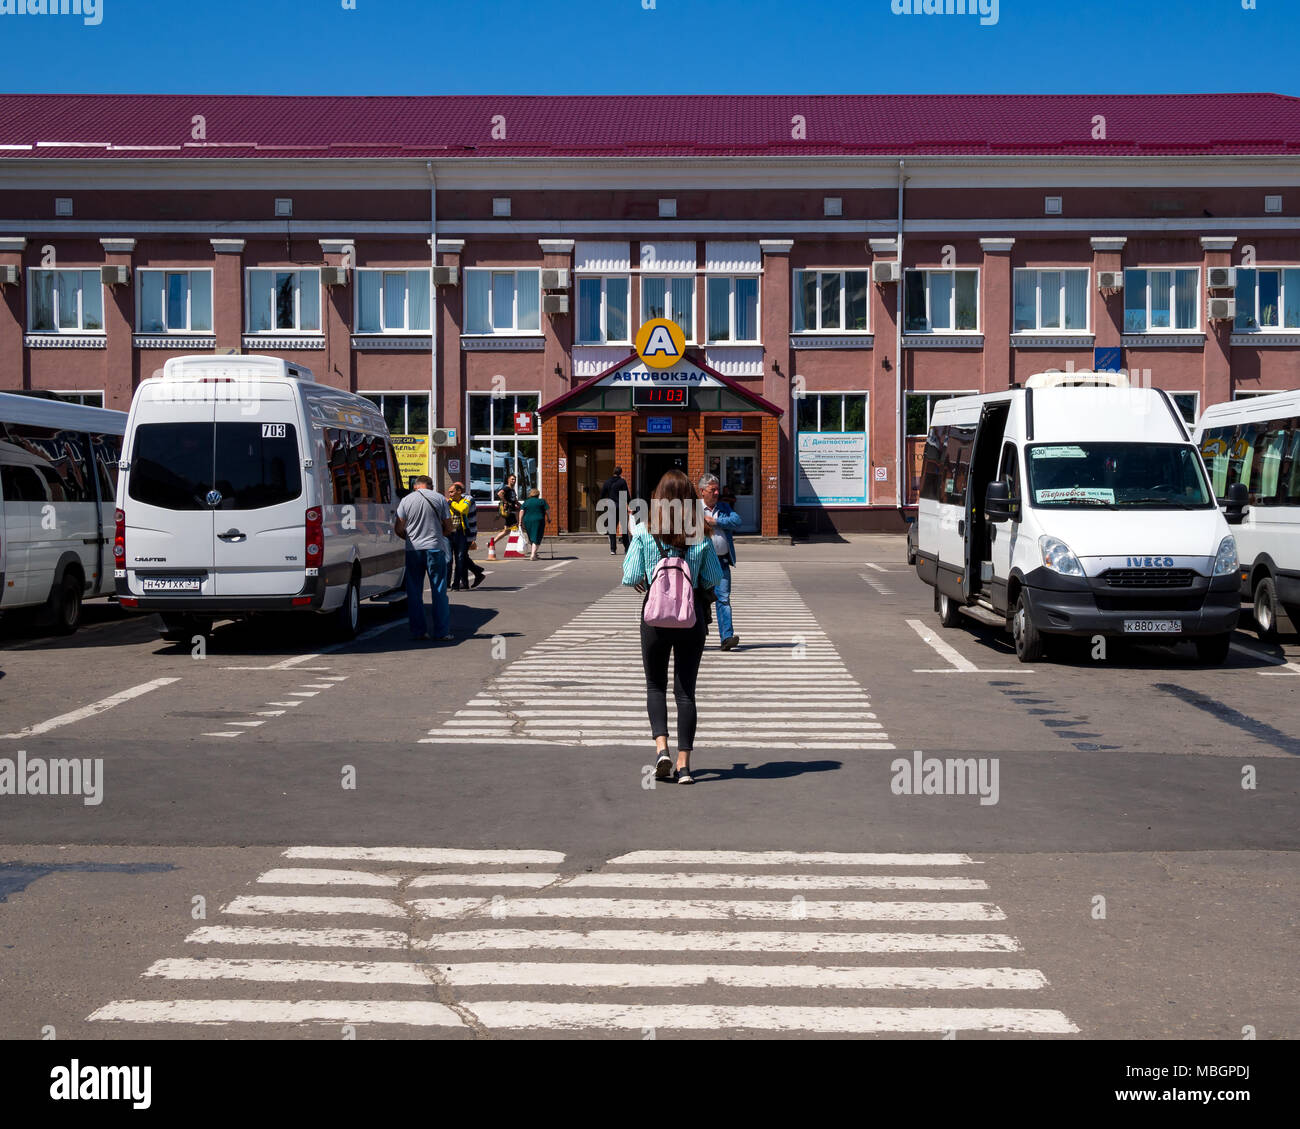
(836, 263)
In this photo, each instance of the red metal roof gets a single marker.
(243, 126)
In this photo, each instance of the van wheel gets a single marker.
(946, 606)
(65, 604)
(348, 617)
(1213, 649)
(1030, 647)
(1266, 610)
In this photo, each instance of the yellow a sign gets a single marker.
(660, 343)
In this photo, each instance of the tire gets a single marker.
(1266, 610)
(65, 604)
(1030, 645)
(348, 618)
(946, 606)
(1213, 649)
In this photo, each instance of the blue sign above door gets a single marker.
(659, 425)
(588, 423)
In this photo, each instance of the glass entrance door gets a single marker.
(591, 463)
(735, 462)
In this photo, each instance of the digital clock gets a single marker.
(661, 397)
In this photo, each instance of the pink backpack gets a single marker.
(671, 601)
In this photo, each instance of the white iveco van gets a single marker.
(1252, 447)
(246, 487)
(1075, 506)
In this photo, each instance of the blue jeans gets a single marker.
(419, 564)
(723, 609)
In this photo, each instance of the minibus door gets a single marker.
(983, 467)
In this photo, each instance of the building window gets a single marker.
(392, 301)
(1187, 404)
(283, 301)
(65, 301)
(832, 411)
(733, 309)
(175, 301)
(920, 407)
(405, 413)
(941, 301)
(1161, 300)
(497, 449)
(1268, 298)
(671, 298)
(503, 301)
(830, 300)
(86, 399)
(603, 310)
(1054, 300)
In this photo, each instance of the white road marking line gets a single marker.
(305, 938)
(269, 713)
(879, 588)
(284, 703)
(725, 881)
(512, 1015)
(257, 904)
(303, 693)
(307, 876)
(703, 909)
(408, 1013)
(91, 710)
(235, 733)
(786, 858)
(603, 975)
(248, 724)
(429, 856)
(960, 664)
(535, 880)
(318, 686)
(660, 942)
(557, 564)
(878, 568)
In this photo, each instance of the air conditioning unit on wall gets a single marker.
(1221, 309)
(446, 276)
(115, 275)
(334, 276)
(557, 279)
(1110, 280)
(889, 270)
(1221, 278)
(8, 276)
(555, 303)
(443, 437)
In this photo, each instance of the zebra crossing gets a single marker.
(511, 941)
(786, 687)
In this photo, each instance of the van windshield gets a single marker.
(251, 465)
(1116, 476)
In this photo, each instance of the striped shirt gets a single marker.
(644, 553)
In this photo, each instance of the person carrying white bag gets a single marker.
(675, 565)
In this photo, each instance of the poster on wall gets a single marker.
(831, 469)
(412, 456)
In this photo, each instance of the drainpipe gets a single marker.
(433, 315)
(899, 417)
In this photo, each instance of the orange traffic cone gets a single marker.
(492, 549)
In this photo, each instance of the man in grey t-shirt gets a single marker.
(424, 519)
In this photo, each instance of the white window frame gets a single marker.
(81, 392)
(929, 321)
(189, 300)
(931, 394)
(1173, 270)
(406, 409)
(1196, 415)
(496, 331)
(80, 331)
(1281, 327)
(732, 279)
(492, 436)
(797, 291)
(297, 302)
(821, 393)
(1060, 331)
(670, 313)
(604, 338)
(385, 329)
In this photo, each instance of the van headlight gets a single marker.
(1225, 560)
(1057, 557)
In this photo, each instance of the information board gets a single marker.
(831, 469)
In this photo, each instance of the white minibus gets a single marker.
(1254, 444)
(1075, 506)
(246, 488)
(58, 478)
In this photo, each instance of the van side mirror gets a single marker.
(1234, 510)
(997, 501)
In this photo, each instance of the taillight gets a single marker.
(119, 539)
(315, 539)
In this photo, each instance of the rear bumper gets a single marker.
(313, 592)
(1063, 605)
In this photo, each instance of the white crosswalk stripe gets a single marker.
(585, 685)
(750, 957)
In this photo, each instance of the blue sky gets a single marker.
(676, 47)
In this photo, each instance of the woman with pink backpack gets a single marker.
(675, 565)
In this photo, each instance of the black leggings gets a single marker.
(686, 645)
